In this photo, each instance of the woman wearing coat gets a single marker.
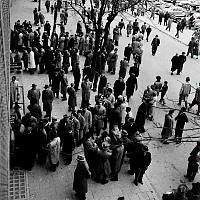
(168, 127)
(81, 175)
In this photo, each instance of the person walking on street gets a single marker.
(169, 24)
(191, 46)
(181, 61)
(168, 127)
(131, 85)
(148, 30)
(178, 28)
(175, 63)
(47, 100)
(193, 161)
(196, 100)
(81, 174)
(155, 43)
(184, 92)
(128, 51)
(181, 119)
(143, 28)
(47, 5)
(129, 28)
(121, 25)
(166, 17)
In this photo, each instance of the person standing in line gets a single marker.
(184, 92)
(181, 119)
(31, 61)
(163, 92)
(168, 127)
(47, 100)
(14, 91)
(54, 155)
(64, 85)
(144, 161)
(81, 174)
(34, 93)
(148, 30)
(182, 60)
(86, 87)
(72, 103)
(196, 100)
(155, 43)
(193, 163)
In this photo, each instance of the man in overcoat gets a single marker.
(47, 100)
(34, 93)
(86, 86)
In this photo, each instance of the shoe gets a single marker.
(178, 74)
(171, 73)
(136, 183)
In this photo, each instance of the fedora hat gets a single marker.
(80, 158)
(33, 85)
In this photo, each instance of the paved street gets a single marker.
(169, 162)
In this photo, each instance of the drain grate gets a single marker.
(18, 185)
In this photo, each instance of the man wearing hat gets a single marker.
(81, 174)
(47, 100)
(181, 61)
(34, 93)
(155, 43)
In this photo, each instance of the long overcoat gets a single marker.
(81, 175)
(168, 127)
(86, 87)
(47, 99)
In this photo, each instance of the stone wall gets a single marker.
(4, 98)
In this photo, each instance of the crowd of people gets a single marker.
(107, 130)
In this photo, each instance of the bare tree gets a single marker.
(101, 21)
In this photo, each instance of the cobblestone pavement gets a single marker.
(45, 185)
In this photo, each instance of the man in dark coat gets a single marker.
(128, 51)
(77, 76)
(115, 116)
(47, 100)
(181, 61)
(47, 5)
(35, 109)
(56, 79)
(142, 161)
(155, 43)
(148, 30)
(131, 86)
(102, 83)
(34, 93)
(72, 97)
(140, 117)
(47, 27)
(67, 139)
(81, 175)
(175, 62)
(119, 87)
(181, 119)
(193, 163)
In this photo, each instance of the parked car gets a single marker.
(177, 12)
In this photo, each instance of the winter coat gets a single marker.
(103, 170)
(31, 61)
(102, 84)
(47, 99)
(123, 68)
(168, 127)
(86, 87)
(81, 175)
(99, 116)
(34, 94)
(88, 120)
(64, 84)
(72, 97)
(119, 87)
